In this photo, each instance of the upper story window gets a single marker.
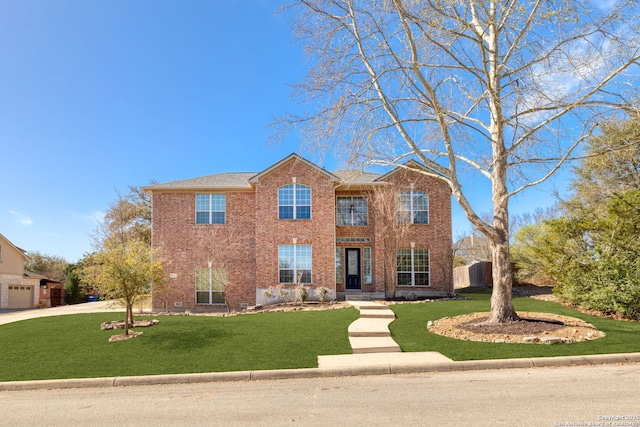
(294, 202)
(352, 211)
(211, 208)
(0, 253)
(413, 207)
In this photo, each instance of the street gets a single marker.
(586, 395)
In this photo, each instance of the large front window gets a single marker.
(352, 211)
(294, 202)
(210, 284)
(413, 207)
(211, 208)
(294, 264)
(413, 267)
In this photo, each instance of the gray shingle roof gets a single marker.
(356, 176)
(227, 180)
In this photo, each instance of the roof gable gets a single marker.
(295, 158)
(411, 165)
(11, 245)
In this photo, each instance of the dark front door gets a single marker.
(353, 269)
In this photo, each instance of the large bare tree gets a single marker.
(501, 90)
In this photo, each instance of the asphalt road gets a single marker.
(580, 395)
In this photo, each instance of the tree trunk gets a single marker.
(502, 310)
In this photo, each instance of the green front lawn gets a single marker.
(73, 346)
(409, 330)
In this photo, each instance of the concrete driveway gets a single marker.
(9, 316)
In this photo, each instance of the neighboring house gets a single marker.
(472, 249)
(17, 289)
(239, 239)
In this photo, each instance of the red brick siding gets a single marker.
(435, 236)
(189, 246)
(319, 231)
(247, 245)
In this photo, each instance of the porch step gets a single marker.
(362, 296)
(362, 345)
(367, 313)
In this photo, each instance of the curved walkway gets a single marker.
(372, 344)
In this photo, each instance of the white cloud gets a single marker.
(21, 219)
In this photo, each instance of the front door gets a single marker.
(353, 268)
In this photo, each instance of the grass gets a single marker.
(74, 346)
(409, 330)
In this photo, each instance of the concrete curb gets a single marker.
(384, 369)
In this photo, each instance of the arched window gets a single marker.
(413, 207)
(294, 202)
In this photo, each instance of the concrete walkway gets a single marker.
(372, 344)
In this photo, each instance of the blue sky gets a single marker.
(98, 95)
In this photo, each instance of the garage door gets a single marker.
(20, 296)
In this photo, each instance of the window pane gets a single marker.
(303, 212)
(422, 279)
(285, 212)
(339, 266)
(202, 217)
(421, 260)
(202, 297)
(285, 256)
(420, 201)
(285, 195)
(202, 202)
(286, 276)
(303, 257)
(217, 298)
(404, 279)
(218, 202)
(360, 211)
(343, 219)
(367, 265)
(305, 276)
(217, 217)
(404, 260)
(421, 217)
(303, 195)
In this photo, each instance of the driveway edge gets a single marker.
(385, 369)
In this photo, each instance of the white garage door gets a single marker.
(20, 296)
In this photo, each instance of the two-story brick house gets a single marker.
(231, 238)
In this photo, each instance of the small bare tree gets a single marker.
(391, 229)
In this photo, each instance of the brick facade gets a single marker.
(246, 245)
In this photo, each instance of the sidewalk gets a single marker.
(375, 357)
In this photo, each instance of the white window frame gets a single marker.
(212, 207)
(339, 264)
(216, 284)
(366, 265)
(295, 203)
(352, 214)
(296, 267)
(410, 213)
(412, 271)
